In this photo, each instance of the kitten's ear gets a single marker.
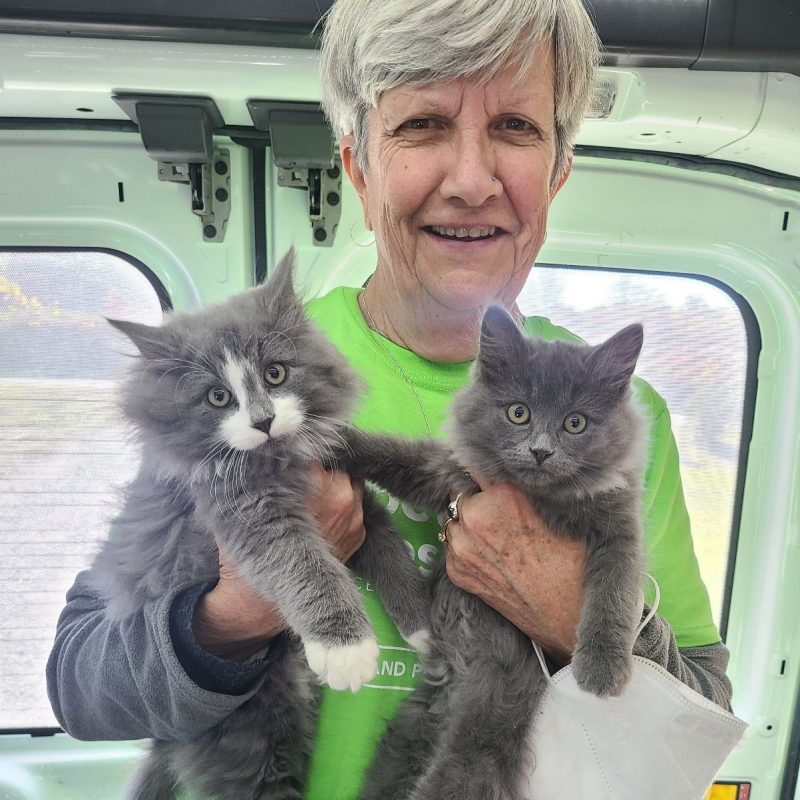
(614, 360)
(280, 284)
(153, 341)
(500, 339)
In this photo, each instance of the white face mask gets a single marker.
(659, 739)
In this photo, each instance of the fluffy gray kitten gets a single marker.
(557, 421)
(232, 404)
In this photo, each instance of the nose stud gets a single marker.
(494, 177)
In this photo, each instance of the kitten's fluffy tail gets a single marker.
(153, 780)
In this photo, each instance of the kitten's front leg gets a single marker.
(276, 548)
(423, 472)
(603, 658)
(385, 561)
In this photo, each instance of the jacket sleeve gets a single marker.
(700, 668)
(143, 676)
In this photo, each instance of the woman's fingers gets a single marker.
(336, 503)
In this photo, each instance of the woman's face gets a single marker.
(432, 155)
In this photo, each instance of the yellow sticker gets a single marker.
(723, 792)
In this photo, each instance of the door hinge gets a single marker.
(210, 190)
(177, 133)
(324, 197)
(305, 156)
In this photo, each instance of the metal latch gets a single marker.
(303, 151)
(324, 196)
(210, 190)
(177, 133)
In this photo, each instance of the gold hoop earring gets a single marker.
(352, 239)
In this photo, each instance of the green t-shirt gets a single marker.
(350, 725)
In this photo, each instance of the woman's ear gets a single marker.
(353, 170)
(562, 179)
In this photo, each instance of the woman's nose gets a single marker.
(469, 172)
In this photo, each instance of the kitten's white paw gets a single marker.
(420, 640)
(349, 666)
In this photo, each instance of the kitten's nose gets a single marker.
(541, 455)
(263, 424)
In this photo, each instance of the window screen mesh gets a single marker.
(64, 450)
(695, 355)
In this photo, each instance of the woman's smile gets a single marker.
(463, 233)
(464, 240)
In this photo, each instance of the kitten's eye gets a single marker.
(575, 423)
(219, 397)
(518, 413)
(275, 374)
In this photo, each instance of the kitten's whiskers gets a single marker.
(216, 449)
(229, 482)
(316, 443)
(201, 357)
(243, 490)
(335, 432)
(266, 343)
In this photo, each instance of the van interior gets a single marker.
(164, 157)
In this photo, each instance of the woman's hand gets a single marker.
(232, 620)
(501, 550)
(337, 506)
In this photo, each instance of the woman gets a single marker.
(455, 122)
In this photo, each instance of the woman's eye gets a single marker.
(219, 397)
(275, 374)
(518, 413)
(418, 124)
(516, 124)
(575, 423)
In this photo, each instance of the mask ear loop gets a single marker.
(540, 656)
(653, 608)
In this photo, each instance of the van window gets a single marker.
(695, 355)
(64, 451)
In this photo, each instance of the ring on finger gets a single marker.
(443, 532)
(452, 508)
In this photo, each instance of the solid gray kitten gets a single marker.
(232, 404)
(556, 420)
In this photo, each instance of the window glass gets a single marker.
(65, 450)
(695, 355)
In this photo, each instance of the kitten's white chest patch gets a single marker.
(236, 428)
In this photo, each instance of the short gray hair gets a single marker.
(371, 46)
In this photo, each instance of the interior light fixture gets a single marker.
(604, 93)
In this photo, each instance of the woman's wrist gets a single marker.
(558, 647)
(230, 628)
(553, 624)
(558, 655)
